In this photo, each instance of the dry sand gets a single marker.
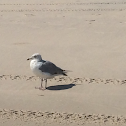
(86, 37)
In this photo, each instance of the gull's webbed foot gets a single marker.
(40, 88)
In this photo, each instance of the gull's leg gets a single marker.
(41, 83)
(45, 83)
(40, 88)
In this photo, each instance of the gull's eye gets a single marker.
(35, 56)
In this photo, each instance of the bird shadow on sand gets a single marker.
(61, 87)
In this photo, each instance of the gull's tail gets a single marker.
(66, 71)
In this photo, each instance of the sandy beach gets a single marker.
(83, 36)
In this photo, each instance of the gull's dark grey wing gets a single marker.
(51, 68)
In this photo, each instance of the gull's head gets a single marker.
(35, 56)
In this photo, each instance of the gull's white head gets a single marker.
(35, 56)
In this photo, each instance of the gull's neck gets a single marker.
(35, 60)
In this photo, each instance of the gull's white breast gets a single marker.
(35, 65)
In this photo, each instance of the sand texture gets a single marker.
(84, 36)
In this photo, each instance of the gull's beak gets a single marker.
(29, 58)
